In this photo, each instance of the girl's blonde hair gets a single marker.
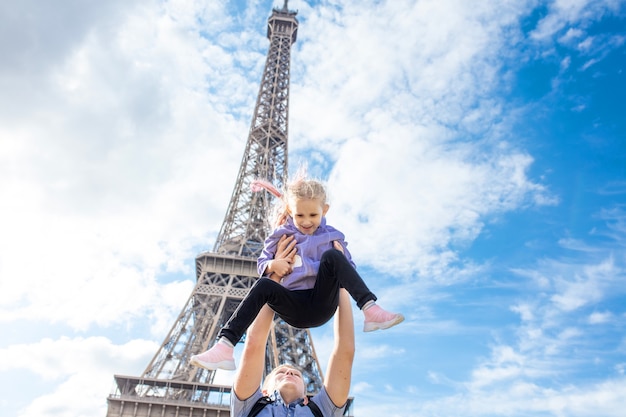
(300, 188)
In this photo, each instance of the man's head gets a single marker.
(287, 380)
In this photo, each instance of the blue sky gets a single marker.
(475, 156)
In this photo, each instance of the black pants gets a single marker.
(301, 308)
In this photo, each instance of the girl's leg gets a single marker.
(264, 291)
(306, 312)
(335, 271)
(220, 356)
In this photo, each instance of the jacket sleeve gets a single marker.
(269, 250)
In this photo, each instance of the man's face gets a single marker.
(288, 381)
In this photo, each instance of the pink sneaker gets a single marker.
(376, 318)
(219, 356)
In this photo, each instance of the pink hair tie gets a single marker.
(258, 185)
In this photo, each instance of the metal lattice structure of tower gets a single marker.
(170, 386)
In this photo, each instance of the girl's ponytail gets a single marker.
(279, 212)
(258, 185)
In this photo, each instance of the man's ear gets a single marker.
(326, 207)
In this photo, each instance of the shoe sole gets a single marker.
(225, 365)
(370, 327)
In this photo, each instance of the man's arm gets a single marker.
(339, 372)
(250, 373)
(248, 377)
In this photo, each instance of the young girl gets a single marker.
(302, 289)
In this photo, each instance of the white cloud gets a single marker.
(600, 317)
(440, 196)
(566, 12)
(121, 129)
(393, 98)
(80, 365)
(360, 387)
(571, 35)
(580, 288)
(380, 351)
(523, 398)
(106, 186)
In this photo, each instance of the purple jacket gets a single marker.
(309, 252)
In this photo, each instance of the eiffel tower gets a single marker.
(169, 386)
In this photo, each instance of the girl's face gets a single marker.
(307, 214)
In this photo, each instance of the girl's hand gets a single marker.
(338, 246)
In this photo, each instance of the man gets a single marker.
(285, 384)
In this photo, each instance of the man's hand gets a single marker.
(280, 268)
(286, 248)
(284, 258)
